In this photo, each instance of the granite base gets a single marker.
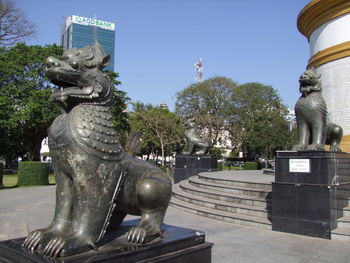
(190, 165)
(179, 245)
(305, 197)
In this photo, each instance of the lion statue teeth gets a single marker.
(98, 184)
(311, 114)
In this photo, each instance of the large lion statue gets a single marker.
(98, 184)
(311, 114)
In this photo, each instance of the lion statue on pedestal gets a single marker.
(98, 183)
(314, 131)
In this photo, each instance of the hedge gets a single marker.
(252, 166)
(33, 173)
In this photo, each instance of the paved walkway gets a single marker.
(25, 209)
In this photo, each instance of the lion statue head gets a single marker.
(310, 81)
(79, 76)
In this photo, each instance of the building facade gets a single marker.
(291, 118)
(78, 32)
(326, 25)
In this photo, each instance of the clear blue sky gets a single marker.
(158, 41)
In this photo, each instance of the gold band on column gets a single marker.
(330, 54)
(318, 12)
(345, 143)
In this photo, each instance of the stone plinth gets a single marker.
(179, 245)
(305, 194)
(190, 165)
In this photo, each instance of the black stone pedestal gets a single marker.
(305, 194)
(179, 245)
(189, 165)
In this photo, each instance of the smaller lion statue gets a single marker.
(311, 114)
(194, 143)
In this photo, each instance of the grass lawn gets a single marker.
(10, 180)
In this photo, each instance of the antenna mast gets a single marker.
(198, 65)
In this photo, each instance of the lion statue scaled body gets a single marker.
(311, 114)
(194, 143)
(98, 184)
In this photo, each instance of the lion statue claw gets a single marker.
(311, 114)
(97, 183)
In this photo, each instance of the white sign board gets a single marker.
(92, 22)
(299, 165)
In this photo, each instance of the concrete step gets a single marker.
(342, 202)
(342, 211)
(340, 234)
(227, 197)
(344, 222)
(190, 199)
(222, 215)
(345, 211)
(196, 181)
(241, 182)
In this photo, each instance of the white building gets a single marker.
(44, 150)
(291, 118)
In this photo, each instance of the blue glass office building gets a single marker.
(78, 32)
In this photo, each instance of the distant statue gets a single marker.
(98, 184)
(133, 143)
(311, 115)
(194, 143)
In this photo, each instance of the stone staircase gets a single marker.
(237, 197)
(342, 232)
(242, 197)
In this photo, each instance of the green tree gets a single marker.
(120, 114)
(292, 138)
(208, 102)
(158, 126)
(25, 109)
(147, 139)
(258, 119)
(11, 145)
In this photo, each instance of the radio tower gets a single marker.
(198, 65)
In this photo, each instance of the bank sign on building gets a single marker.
(79, 31)
(93, 22)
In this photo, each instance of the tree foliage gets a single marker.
(25, 109)
(252, 114)
(120, 114)
(208, 102)
(14, 27)
(257, 120)
(157, 126)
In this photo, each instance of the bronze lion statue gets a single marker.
(98, 184)
(311, 115)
